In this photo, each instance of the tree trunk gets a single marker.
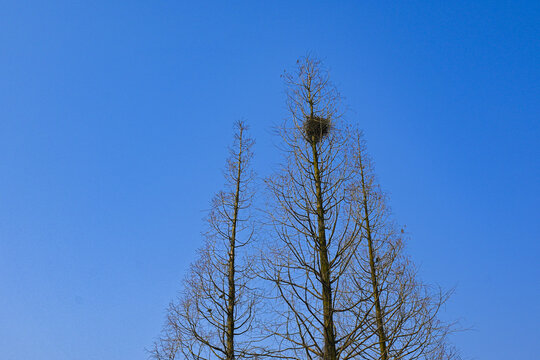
(378, 312)
(329, 335)
(231, 298)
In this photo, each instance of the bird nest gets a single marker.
(316, 127)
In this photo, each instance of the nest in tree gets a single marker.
(316, 127)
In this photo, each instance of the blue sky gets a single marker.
(114, 122)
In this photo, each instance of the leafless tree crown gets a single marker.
(313, 221)
(338, 285)
(214, 316)
(343, 288)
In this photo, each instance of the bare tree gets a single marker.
(403, 312)
(316, 234)
(343, 287)
(214, 316)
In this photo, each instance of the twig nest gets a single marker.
(316, 127)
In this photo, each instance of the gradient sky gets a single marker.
(114, 122)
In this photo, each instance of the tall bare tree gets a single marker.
(403, 311)
(314, 224)
(343, 287)
(214, 316)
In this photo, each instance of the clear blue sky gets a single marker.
(114, 122)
